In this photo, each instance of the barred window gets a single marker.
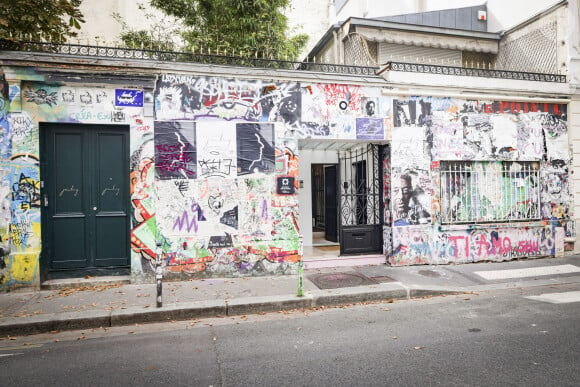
(489, 191)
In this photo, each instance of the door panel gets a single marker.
(111, 215)
(69, 242)
(330, 204)
(69, 199)
(111, 245)
(85, 174)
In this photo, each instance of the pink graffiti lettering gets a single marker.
(454, 240)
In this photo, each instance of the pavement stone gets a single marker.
(94, 303)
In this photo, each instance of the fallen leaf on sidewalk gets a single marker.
(215, 338)
(394, 337)
(386, 309)
(419, 347)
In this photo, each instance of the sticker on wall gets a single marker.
(285, 185)
(127, 97)
(404, 113)
(216, 144)
(370, 129)
(370, 107)
(68, 95)
(219, 241)
(41, 96)
(255, 148)
(175, 151)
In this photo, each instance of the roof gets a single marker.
(457, 18)
(413, 34)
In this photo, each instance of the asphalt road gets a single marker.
(486, 339)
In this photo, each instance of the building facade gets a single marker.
(114, 161)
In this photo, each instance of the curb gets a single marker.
(54, 322)
(173, 312)
(205, 309)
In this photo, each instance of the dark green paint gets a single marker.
(85, 172)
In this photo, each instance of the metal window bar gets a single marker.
(485, 191)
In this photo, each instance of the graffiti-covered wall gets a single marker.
(226, 168)
(479, 180)
(24, 106)
(214, 171)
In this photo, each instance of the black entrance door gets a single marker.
(85, 199)
(361, 204)
(330, 204)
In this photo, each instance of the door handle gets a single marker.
(45, 200)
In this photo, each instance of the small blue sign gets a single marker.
(370, 128)
(128, 97)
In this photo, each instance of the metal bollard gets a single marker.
(300, 267)
(159, 274)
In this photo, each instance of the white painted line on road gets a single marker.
(528, 272)
(10, 354)
(24, 346)
(557, 298)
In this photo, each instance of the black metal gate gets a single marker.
(361, 200)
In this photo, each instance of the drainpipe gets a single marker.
(336, 46)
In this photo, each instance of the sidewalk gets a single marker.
(111, 301)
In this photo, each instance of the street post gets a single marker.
(300, 266)
(159, 273)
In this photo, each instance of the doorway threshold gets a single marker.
(317, 257)
(63, 283)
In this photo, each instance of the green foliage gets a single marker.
(160, 36)
(50, 20)
(249, 27)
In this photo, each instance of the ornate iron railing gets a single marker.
(88, 50)
(176, 56)
(360, 186)
(474, 72)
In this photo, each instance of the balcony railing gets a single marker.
(187, 57)
(87, 50)
(474, 72)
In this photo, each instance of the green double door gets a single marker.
(85, 199)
